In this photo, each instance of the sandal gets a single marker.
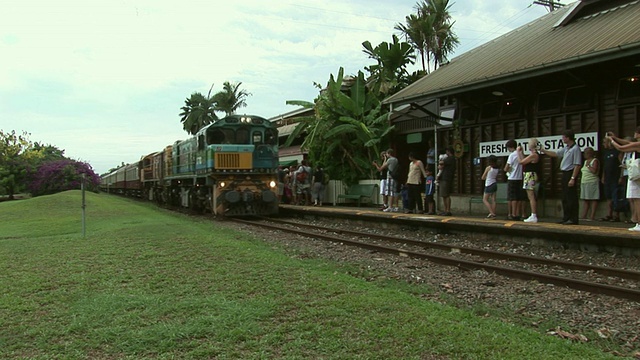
(615, 219)
(606, 218)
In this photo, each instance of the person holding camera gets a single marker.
(633, 186)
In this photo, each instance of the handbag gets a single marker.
(633, 168)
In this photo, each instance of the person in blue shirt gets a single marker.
(429, 190)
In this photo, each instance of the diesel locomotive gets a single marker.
(227, 168)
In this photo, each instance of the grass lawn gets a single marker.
(148, 283)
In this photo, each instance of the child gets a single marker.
(490, 186)
(430, 186)
(440, 167)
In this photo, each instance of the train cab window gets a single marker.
(242, 136)
(257, 138)
(217, 136)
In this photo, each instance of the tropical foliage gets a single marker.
(199, 110)
(231, 98)
(430, 32)
(348, 129)
(390, 73)
(17, 156)
(61, 175)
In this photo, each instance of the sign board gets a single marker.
(551, 143)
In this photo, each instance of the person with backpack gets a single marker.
(317, 189)
(302, 178)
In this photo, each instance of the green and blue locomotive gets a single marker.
(228, 168)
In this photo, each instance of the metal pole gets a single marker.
(84, 227)
(436, 193)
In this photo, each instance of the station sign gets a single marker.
(551, 143)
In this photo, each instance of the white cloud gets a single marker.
(105, 80)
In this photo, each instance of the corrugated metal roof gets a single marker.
(536, 48)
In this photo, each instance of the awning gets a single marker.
(287, 163)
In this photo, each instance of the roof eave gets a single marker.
(618, 52)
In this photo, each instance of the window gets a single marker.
(578, 96)
(490, 110)
(549, 101)
(242, 136)
(629, 88)
(257, 137)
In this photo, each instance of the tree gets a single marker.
(61, 175)
(231, 98)
(390, 72)
(430, 31)
(348, 129)
(198, 112)
(17, 156)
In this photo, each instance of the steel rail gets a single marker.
(615, 291)
(621, 273)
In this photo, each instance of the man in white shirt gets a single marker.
(515, 193)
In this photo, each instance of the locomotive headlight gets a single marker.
(272, 184)
(223, 184)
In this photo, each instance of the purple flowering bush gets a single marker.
(60, 175)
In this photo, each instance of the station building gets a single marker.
(575, 68)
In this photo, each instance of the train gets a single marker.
(228, 168)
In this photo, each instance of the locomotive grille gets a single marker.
(233, 161)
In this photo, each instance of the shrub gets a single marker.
(60, 175)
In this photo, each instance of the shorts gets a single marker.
(444, 188)
(391, 187)
(303, 189)
(514, 190)
(530, 181)
(491, 189)
(590, 191)
(383, 187)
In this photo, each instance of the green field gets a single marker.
(148, 283)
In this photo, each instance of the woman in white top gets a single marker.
(589, 184)
(633, 187)
(530, 169)
(490, 177)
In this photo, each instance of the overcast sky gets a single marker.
(105, 80)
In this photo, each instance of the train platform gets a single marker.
(600, 236)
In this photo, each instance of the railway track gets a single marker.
(473, 258)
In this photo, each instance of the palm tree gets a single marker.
(390, 70)
(231, 98)
(197, 112)
(430, 32)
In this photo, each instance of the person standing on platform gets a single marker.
(570, 166)
(392, 166)
(633, 186)
(445, 185)
(490, 177)
(610, 179)
(514, 182)
(589, 184)
(414, 184)
(530, 170)
(429, 190)
(384, 191)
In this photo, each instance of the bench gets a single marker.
(501, 196)
(358, 192)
